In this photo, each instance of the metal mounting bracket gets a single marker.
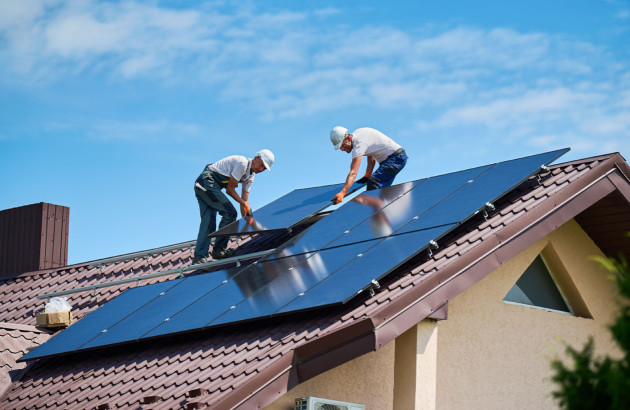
(374, 285)
(543, 168)
(432, 245)
(488, 207)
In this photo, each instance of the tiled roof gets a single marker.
(15, 341)
(254, 363)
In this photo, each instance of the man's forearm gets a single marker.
(352, 175)
(232, 192)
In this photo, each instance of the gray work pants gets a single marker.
(212, 201)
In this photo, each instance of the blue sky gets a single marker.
(114, 107)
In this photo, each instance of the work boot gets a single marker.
(197, 261)
(222, 253)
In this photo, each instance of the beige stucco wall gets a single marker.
(493, 355)
(488, 354)
(368, 379)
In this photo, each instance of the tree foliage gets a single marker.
(599, 383)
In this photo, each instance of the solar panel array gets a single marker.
(329, 263)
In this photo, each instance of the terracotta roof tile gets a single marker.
(15, 340)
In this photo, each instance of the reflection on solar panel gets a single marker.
(286, 211)
(329, 263)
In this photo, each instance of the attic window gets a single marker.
(537, 288)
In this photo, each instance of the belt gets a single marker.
(398, 151)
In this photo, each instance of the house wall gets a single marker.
(368, 380)
(494, 355)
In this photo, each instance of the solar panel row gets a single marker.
(329, 263)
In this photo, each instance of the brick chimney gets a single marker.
(33, 237)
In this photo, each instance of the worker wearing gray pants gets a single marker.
(226, 174)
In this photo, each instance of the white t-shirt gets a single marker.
(237, 167)
(370, 142)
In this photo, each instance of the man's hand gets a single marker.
(338, 198)
(364, 179)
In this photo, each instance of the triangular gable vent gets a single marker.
(537, 288)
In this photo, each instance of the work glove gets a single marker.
(248, 212)
(338, 198)
(364, 179)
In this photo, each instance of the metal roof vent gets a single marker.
(316, 403)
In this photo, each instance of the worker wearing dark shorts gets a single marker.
(377, 147)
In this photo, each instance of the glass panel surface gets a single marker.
(92, 325)
(389, 218)
(288, 281)
(345, 218)
(497, 180)
(161, 308)
(536, 287)
(381, 258)
(259, 289)
(286, 211)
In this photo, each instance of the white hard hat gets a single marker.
(267, 157)
(336, 136)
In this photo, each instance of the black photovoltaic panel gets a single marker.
(151, 314)
(327, 264)
(286, 211)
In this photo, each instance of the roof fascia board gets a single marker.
(333, 339)
(622, 186)
(440, 314)
(623, 166)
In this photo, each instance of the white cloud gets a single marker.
(77, 35)
(607, 124)
(533, 105)
(18, 13)
(521, 85)
(330, 11)
(129, 131)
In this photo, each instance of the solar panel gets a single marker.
(378, 260)
(329, 263)
(158, 310)
(286, 211)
